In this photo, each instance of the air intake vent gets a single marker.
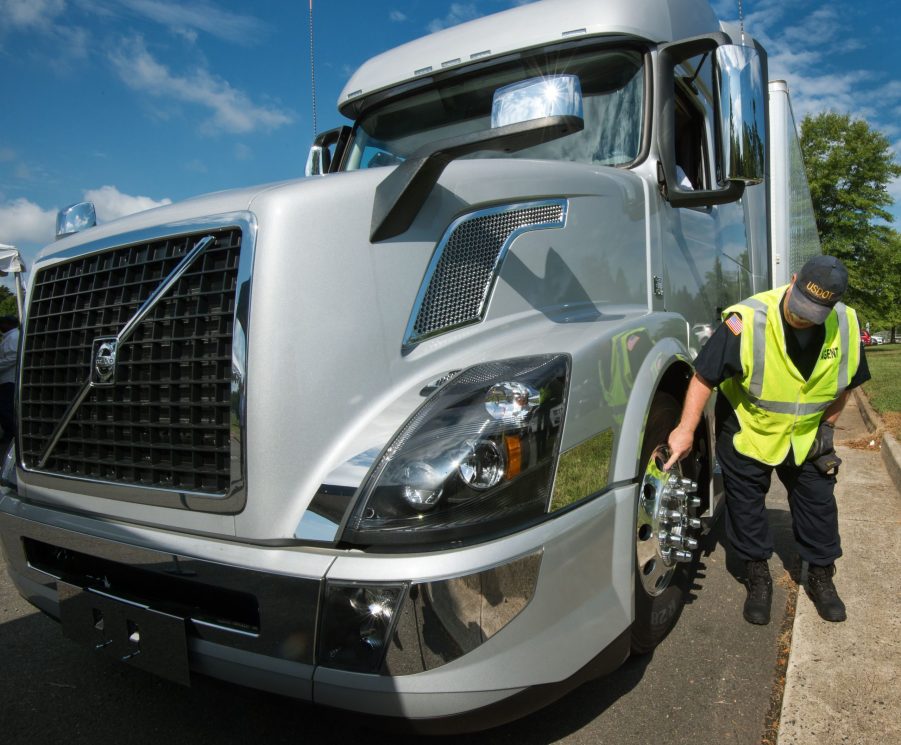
(463, 270)
(127, 365)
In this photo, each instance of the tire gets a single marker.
(660, 581)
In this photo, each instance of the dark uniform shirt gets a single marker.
(720, 358)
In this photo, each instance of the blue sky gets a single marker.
(134, 103)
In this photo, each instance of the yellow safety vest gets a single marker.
(777, 408)
(617, 386)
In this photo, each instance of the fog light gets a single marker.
(356, 623)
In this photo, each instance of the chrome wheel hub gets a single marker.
(668, 522)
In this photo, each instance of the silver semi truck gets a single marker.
(389, 438)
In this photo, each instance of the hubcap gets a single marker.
(668, 525)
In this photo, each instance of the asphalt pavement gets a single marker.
(715, 679)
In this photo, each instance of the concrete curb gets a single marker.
(891, 450)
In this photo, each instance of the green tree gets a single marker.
(849, 167)
(8, 305)
(879, 280)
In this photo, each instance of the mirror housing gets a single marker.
(527, 100)
(740, 118)
(742, 113)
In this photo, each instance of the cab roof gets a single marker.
(524, 27)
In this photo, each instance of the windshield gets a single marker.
(612, 88)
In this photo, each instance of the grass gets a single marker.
(884, 389)
(583, 470)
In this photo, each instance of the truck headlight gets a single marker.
(475, 461)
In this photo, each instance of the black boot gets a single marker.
(760, 593)
(823, 594)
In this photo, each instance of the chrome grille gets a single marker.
(165, 420)
(462, 272)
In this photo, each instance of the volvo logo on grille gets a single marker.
(103, 368)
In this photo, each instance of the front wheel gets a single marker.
(666, 530)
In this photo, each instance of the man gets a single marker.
(785, 361)
(9, 351)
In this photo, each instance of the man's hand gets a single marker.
(682, 438)
(823, 443)
(680, 443)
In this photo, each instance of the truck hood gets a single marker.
(184, 212)
(330, 371)
(330, 375)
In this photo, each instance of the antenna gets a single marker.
(312, 72)
(741, 19)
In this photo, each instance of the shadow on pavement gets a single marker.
(56, 691)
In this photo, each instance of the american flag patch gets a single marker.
(734, 324)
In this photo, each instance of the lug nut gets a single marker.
(683, 556)
(694, 523)
(690, 543)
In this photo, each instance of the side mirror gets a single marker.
(327, 151)
(318, 161)
(740, 148)
(742, 113)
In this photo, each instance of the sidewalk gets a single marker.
(843, 683)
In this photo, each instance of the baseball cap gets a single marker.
(818, 287)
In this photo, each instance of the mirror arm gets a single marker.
(679, 197)
(400, 196)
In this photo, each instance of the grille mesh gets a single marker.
(165, 422)
(463, 276)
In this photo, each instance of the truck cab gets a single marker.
(390, 437)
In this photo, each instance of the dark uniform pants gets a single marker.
(811, 497)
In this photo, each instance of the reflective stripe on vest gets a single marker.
(776, 407)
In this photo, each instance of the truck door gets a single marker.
(692, 264)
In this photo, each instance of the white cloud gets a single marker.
(806, 43)
(25, 222)
(458, 13)
(22, 221)
(111, 203)
(231, 109)
(31, 14)
(187, 18)
(397, 16)
(47, 19)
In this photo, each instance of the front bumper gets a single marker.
(483, 625)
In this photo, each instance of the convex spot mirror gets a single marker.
(536, 98)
